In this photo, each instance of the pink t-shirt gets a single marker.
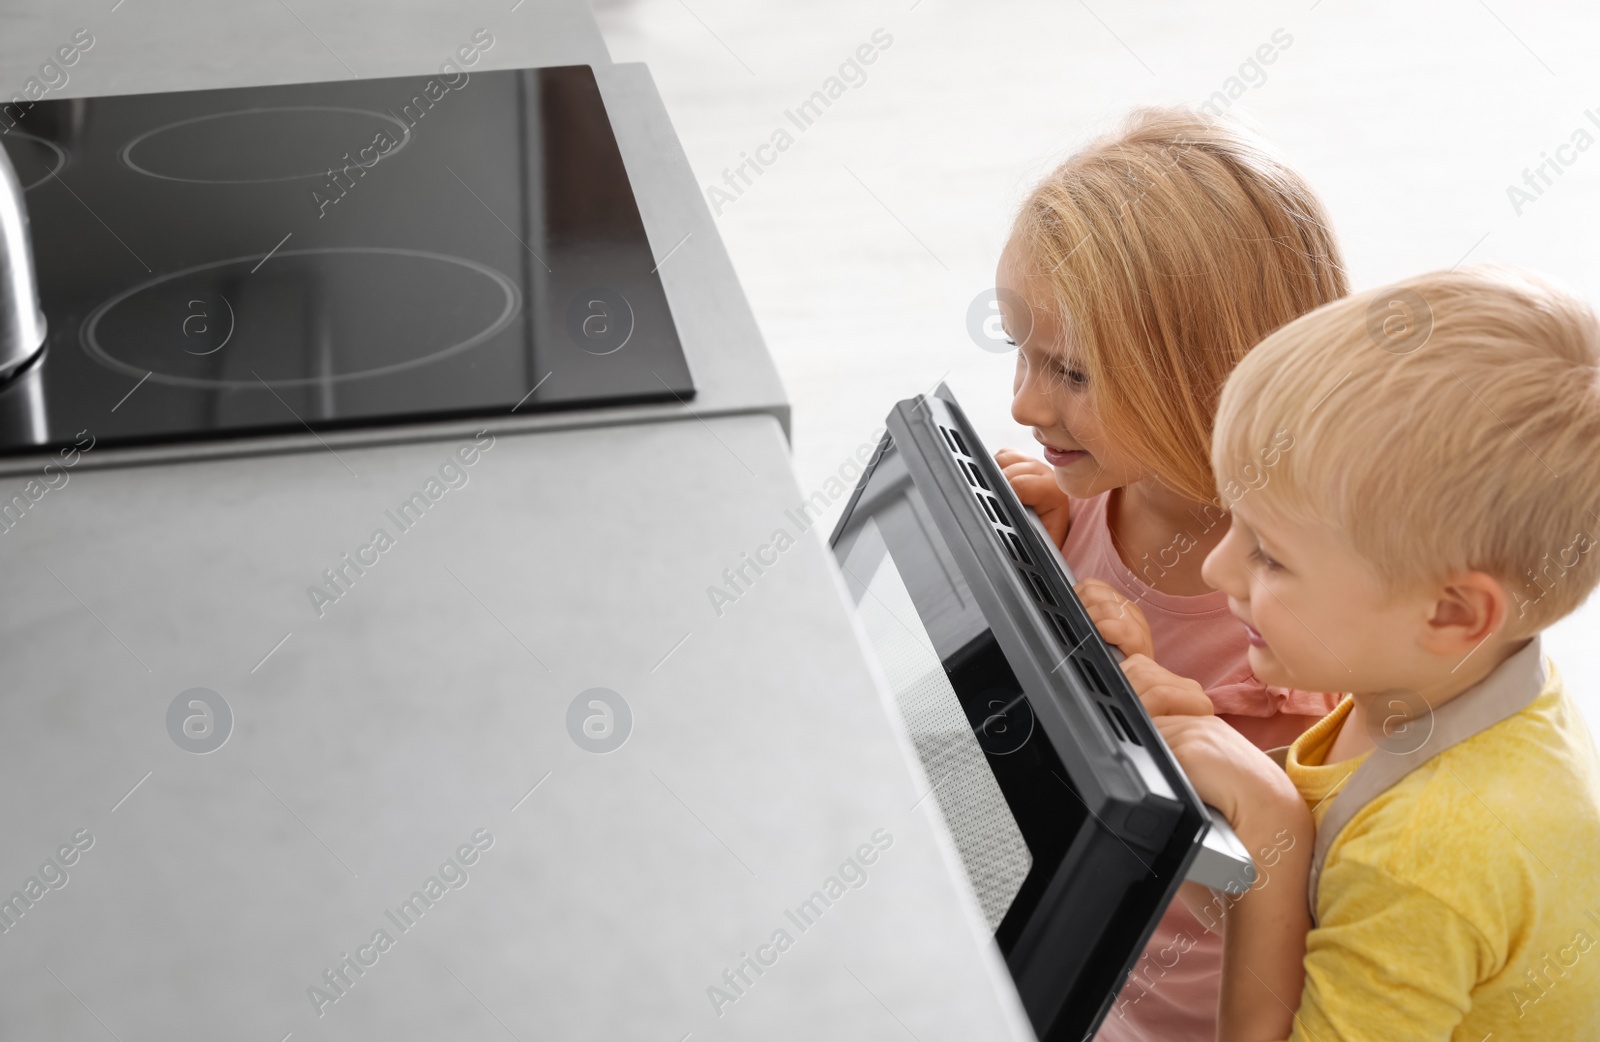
(1171, 994)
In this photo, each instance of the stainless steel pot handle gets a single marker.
(22, 324)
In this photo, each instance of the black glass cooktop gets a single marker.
(265, 260)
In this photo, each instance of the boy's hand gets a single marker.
(1232, 775)
(1267, 925)
(1164, 693)
(1119, 620)
(1034, 482)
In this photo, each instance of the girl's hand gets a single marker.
(1164, 693)
(1034, 482)
(1119, 620)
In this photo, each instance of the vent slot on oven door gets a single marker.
(999, 517)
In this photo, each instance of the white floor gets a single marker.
(862, 245)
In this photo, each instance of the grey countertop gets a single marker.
(373, 734)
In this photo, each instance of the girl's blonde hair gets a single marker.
(1170, 249)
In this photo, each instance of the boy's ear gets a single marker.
(1470, 608)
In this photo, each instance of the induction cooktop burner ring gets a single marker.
(60, 153)
(88, 337)
(126, 152)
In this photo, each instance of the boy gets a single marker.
(1437, 511)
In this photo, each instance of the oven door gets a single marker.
(1069, 900)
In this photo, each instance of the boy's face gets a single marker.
(1319, 617)
(1051, 392)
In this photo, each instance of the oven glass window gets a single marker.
(992, 849)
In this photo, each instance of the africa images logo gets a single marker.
(199, 720)
(599, 720)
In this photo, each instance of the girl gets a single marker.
(1137, 274)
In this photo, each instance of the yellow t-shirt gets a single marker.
(1463, 903)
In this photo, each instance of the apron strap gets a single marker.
(1510, 688)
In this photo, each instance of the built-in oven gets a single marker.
(1073, 822)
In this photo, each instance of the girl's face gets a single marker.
(1051, 390)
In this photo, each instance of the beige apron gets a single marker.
(1510, 688)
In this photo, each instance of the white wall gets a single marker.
(862, 245)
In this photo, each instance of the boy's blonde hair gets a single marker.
(1170, 249)
(1443, 424)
